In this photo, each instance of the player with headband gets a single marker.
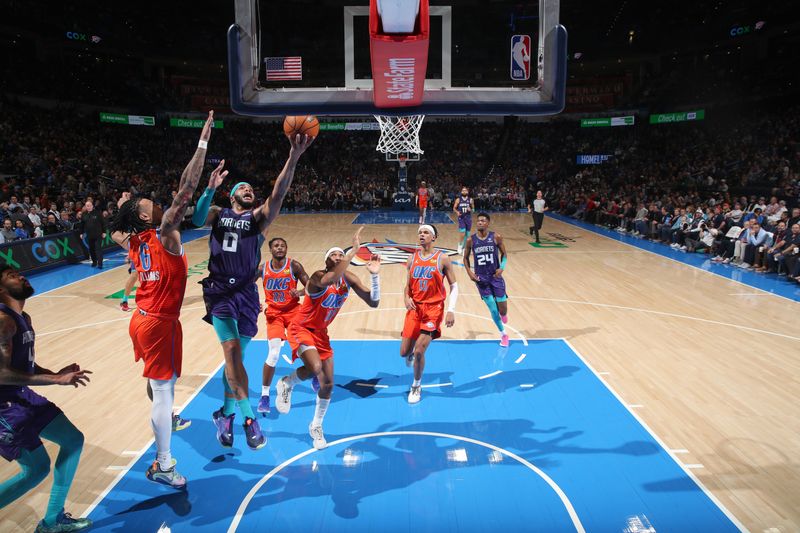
(326, 292)
(424, 295)
(230, 291)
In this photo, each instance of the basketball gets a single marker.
(303, 125)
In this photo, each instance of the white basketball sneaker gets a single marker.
(415, 394)
(317, 436)
(284, 400)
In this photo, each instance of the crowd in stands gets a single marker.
(687, 185)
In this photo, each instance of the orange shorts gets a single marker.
(318, 338)
(426, 317)
(423, 203)
(159, 343)
(278, 323)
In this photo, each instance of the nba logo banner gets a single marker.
(520, 57)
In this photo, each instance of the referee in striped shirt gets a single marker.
(537, 207)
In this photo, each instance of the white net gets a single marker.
(399, 134)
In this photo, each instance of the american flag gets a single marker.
(284, 68)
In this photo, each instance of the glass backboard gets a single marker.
(313, 57)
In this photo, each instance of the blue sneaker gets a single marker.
(169, 477)
(224, 427)
(179, 423)
(64, 522)
(263, 405)
(255, 439)
(315, 384)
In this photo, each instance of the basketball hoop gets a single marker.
(399, 134)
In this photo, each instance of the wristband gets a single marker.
(375, 287)
(503, 262)
(202, 144)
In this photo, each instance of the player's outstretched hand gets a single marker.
(374, 264)
(123, 198)
(205, 135)
(449, 319)
(74, 367)
(357, 241)
(299, 144)
(73, 378)
(217, 176)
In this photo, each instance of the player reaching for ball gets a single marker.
(230, 291)
(301, 125)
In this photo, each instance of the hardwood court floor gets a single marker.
(712, 370)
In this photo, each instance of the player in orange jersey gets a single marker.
(280, 276)
(326, 292)
(424, 297)
(422, 201)
(155, 330)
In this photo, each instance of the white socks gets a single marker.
(265, 390)
(416, 383)
(319, 412)
(161, 419)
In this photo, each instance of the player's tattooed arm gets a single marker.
(10, 376)
(269, 211)
(172, 218)
(189, 180)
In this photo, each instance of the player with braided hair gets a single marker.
(154, 247)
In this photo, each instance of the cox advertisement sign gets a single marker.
(32, 254)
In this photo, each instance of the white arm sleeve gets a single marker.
(375, 287)
(453, 297)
